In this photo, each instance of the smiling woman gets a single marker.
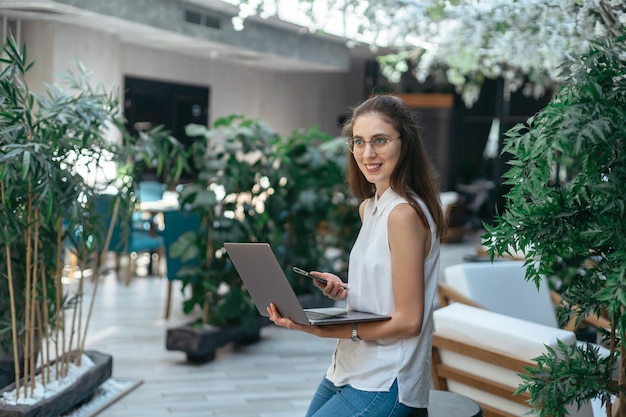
(393, 271)
(378, 160)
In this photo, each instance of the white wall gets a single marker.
(56, 49)
(286, 101)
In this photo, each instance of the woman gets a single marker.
(383, 368)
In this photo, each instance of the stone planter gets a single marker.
(77, 393)
(7, 368)
(200, 343)
(7, 364)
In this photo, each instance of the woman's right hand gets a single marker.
(334, 288)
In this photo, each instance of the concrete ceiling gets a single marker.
(144, 35)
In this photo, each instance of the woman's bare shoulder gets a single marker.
(404, 218)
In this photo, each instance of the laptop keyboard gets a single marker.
(314, 315)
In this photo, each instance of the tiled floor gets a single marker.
(275, 377)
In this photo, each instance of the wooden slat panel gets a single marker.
(483, 354)
(483, 384)
(439, 382)
(443, 373)
(448, 294)
(428, 100)
(489, 411)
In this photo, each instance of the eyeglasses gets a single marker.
(378, 144)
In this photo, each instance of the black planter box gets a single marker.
(200, 343)
(77, 393)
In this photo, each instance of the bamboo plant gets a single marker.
(566, 210)
(40, 137)
(46, 212)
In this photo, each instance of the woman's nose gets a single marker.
(369, 149)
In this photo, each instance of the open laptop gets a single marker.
(266, 282)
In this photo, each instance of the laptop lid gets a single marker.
(266, 282)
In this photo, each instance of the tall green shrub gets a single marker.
(312, 207)
(566, 210)
(254, 185)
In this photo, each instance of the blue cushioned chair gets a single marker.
(137, 241)
(150, 190)
(177, 223)
(147, 191)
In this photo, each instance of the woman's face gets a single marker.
(376, 162)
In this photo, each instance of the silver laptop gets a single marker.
(266, 282)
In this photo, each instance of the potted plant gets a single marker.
(232, 164)
(313, 208)
(565, 210)
(40, 137)
(254, 185)
(46, 212)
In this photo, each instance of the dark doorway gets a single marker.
(150, 103)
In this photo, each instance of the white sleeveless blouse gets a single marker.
(374, 365)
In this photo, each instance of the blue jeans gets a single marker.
(345, 401)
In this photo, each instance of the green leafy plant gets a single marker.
(568, 372)
(46, 209)
(232, 164)
(312, 207)
(565, 209)
(256, 185)
(40, 136)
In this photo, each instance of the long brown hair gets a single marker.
(413, 174)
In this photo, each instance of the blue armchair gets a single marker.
(147, 191)
(177, 223)
(136, 241)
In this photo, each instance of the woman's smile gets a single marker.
(372, 167)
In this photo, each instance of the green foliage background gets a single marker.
(565, 209)
(254, 185)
